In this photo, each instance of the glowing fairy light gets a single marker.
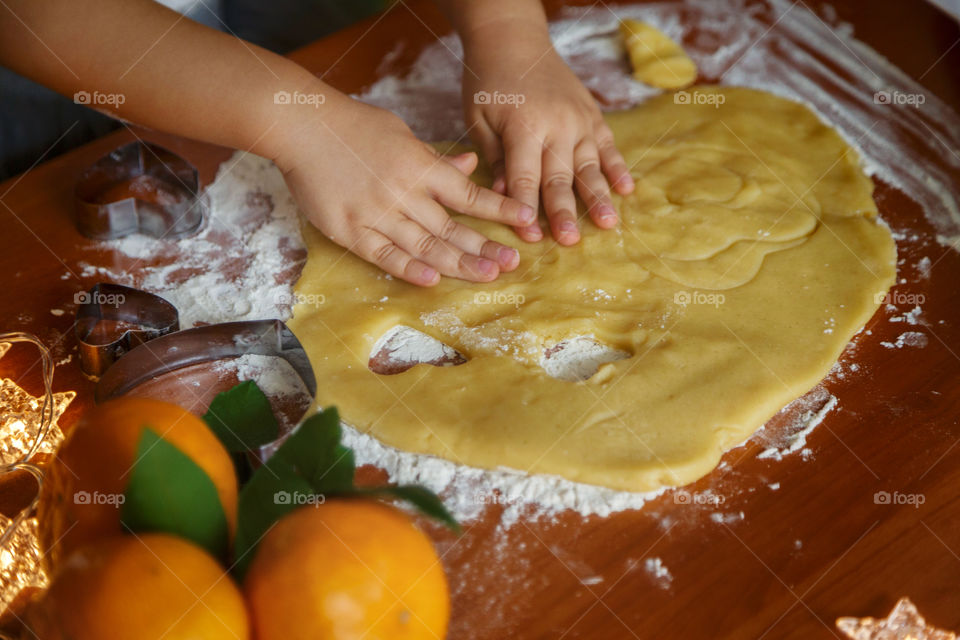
(28, 426)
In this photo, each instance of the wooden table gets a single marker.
(817, 548)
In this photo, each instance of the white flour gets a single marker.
(274, 375)
(908, 339)
(406, 344)
(659, 572)
(234, 268)
(733, 46)
(806, 422)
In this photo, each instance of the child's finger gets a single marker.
(465, 163)
(452, 189)
(592, 186)
(523, 151)
(436, 220)
(489, 143)
(612, 162)
(444, 256)
(377, 248)
(558, 199)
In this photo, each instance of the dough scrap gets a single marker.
(656, 59)
(704, 373)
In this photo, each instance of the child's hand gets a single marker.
(540, 129)
(360, 176)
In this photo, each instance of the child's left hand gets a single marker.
(540, 129)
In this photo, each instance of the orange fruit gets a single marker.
(347, 569)
(152, 587)
(79, 499)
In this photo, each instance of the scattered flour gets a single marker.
(659, 572)
(234, 268)
(468, 491)
(804, 425)
(727, 518)
(910, 317)
(274, 375)
(908, 339)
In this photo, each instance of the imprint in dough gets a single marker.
(756, 200)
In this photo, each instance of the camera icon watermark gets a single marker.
(899, 98)
(685, 298)
(298, 498)
(699, 98)
(299, 98)
(98, 99)
(897, 498)
(898, 298)
(102, 299)
(97, 498)
(699, 498)
(486, 97)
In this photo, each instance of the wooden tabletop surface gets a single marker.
(815, 548)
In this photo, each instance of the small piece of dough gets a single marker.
(656, 59)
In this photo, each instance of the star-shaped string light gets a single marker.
(23, 430)
(28, 426)
(903, 623)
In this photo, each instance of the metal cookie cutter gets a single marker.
(181, 349)
(113, 319)
(139, 188)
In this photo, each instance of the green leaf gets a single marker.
(314, 450)
(311, 461)
(168, 492)
(271, 493)
(422, 498)
(242, 417)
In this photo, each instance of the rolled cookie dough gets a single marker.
(748, 256)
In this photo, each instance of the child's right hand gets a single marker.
(362, 178)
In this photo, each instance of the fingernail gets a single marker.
(499, 185)
(429, 274)
(487, 267)
(508, 255)
(607, 212)
(534, 232)
(527, 214)
(568, 226)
